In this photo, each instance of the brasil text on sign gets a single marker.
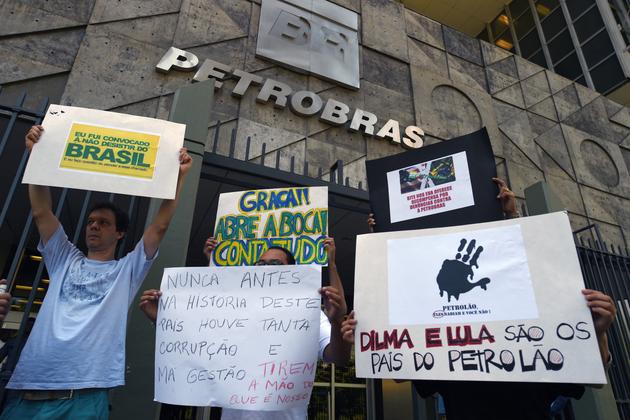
(106, 151)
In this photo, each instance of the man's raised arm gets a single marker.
(158, 227)
(39, 196)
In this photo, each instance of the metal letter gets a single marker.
(245, 80)
(297, 106)
(295, 28)
(209, 69)
(390, 130)
(363, 119)
(335, 112)
(278, 90)
(180, 59)
(414, 137)
(337, 42)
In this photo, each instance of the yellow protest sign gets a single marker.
(110, 150)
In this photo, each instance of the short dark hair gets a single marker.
(122, 220)
(289, 254)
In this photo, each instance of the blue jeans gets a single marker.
(84, 405)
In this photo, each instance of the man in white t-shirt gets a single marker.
(332, 347)
(76, 350)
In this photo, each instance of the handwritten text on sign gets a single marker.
(481, 302)
(249, 222)
(238, 337)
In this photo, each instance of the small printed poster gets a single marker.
(443, 184)
(249, 222)
(106, 151)
(426, 188)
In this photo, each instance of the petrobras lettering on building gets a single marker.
(303, 102)
(316, 37)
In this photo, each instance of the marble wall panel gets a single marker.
(424, 29)
(36, 55)
(157, 30)
(203, 22)
(463, 46)
(38, 90)
(447, 109)
(424, 56)
(598, 163)
(24, 16)
(383, 28)
(273, 137)
(382, 70)
(113, 70)
(107, 10)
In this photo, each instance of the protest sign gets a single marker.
(443, 184)
(106, 151)
(482, 302)
(238, 337)
(249, 222)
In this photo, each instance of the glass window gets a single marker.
(523, 25)
(498, 25)
(581, 80)
(560, 46)
(597, 49)
(588, 24)
(569, 67)
(538, 58)
(529, 44)
(483, 35)
(517, 7)
(553, 23)
(577, 7)
(505, 41)
(545, 7)
(607, 75)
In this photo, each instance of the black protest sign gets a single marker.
(444, 184)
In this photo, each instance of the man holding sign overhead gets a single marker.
(76, 351)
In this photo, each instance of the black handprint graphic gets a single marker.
(453, 277)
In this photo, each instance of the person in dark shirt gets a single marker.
(476, 400)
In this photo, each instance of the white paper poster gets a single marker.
(238, 337)
(249, 222)
(430, 187)
(106, 151)
(497, 301)
(483, 276)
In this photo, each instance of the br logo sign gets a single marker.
(317, 37)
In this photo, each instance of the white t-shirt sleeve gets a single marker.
(324, 334)
(57, 251)
(139, 267)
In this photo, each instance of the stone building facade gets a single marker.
(102, 54)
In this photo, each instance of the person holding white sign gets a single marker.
(332, 347)
(468, 400)
(76, 351)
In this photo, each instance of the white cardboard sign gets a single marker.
(249, 222)
(497, 301)
(105, 151)
(239, 337)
